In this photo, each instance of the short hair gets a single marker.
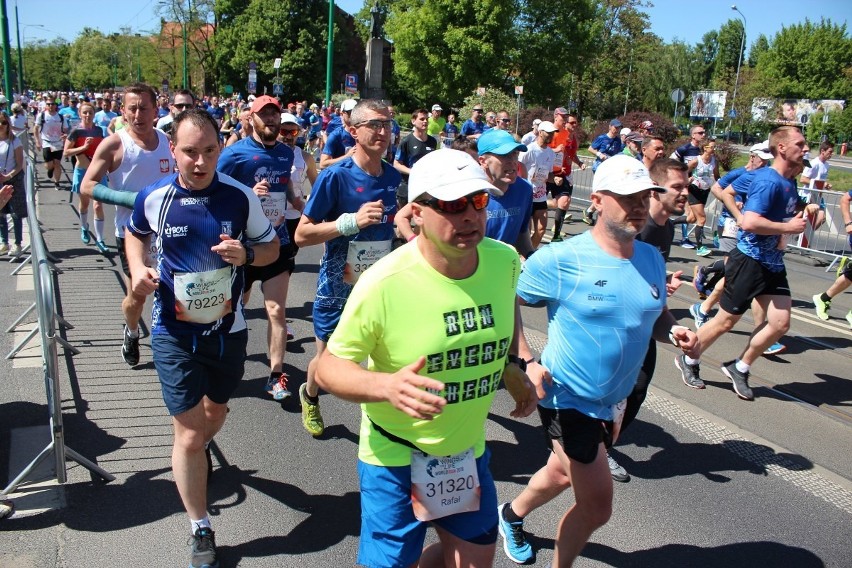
(86, 104)
(778, 135)
(647, 140)
(197, 117)
(185, 93)
(706, 142)
(464, 144)
(827, 145)
(660, 169)
(139, 88)
(365, 105)
(693, 127)
(417, 112)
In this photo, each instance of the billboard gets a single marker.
(708, 104)
(791, 111)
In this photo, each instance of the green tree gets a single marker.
(660, 69)
(808, 60)
(706, 52)
(91, 58)
(46, 65)
(729, 44)
(760, 45)
(444, 49)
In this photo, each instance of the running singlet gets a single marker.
(79, 135)
(343, 188)
(775, 198)
(250, 162)
(138, 169)
(539, 163)
(299, 175)
(464, 329)
(199, 293)
(602, 311)
(510, 213)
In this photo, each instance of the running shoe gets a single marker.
(689, 373)
(4, 248)
(849, 318)
(277, 387)
(203, 549)
(556, 239)
(699, 316)
(290, 335)
(617, 472)
(102, 247)
(687, 244)
(775, 349)
(568, 217)
(703, 251)
(56, 185)
(311, 417)
(84, 236)
(515, 543)
(715, 241)
(130, 349)
(15, 251)
(588, 220)
(699, 280)
(821, 307)
(7, 508)
(740, 380)
(841, 266)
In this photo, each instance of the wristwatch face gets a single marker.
(249, 255)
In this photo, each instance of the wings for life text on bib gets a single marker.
(444, 486)
(361, 256)
(203, 297)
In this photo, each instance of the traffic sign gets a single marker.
(252, 86)
(732, 113)
(678, 96)
(519, 89)
(277, 89)
(277, 63)
(229, 89)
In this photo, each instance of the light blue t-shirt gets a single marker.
(601, 312)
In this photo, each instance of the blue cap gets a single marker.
(615, 122)
(500, 142)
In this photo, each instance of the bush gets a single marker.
(494, 100)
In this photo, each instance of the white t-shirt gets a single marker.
(7, 155)
(818, 171)
(539, 162)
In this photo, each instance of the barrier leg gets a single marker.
(47, 451)
(23, 343)
(91, 466)
(20, 319)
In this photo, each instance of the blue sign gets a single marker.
(252, 86)
(732, 113)
(277, 89)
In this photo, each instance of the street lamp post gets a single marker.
(739, 63)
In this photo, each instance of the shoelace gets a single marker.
(517, 534)
(203, 540)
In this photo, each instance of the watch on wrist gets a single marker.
(249, 256)
(521, 363)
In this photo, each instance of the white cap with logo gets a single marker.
(448, 175)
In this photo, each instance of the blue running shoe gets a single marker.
(775, 349)
(515, 543)
(699, 316)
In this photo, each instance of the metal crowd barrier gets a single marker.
(45, 306)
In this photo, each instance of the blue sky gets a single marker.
(670, 19)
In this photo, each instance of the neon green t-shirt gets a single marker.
(401, 309)
(435, 127)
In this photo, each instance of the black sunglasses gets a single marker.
(479, 201)
(182, 106)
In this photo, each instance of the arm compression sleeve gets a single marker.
(105, 194)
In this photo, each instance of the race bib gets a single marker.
(618, 410)
(444, 486)
(361, 256)
(558, 158)
(274, 204)
(730, 228)
(203, 297)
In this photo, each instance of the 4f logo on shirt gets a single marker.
(165, 166)
(601, 283)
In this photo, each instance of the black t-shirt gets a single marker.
(411, 149)
(660, 236)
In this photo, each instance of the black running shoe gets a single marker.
(203, 549)
(739, 379)
(130, 349)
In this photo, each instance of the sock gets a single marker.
(312, 399)
(134, 333)
(683, 230)
(824, 297)
(560, 219)
(99, 229)
(510, 516)
(742, 367)
(200, 524)
(49, 173)
(690, 361)
(84, 220)
(699, 234)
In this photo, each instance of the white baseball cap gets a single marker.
(625, 131)
(546, 126)
(288, 118)
(348, 105)
(761, 149)
(447, 175)
(623, 175)
(437, 107)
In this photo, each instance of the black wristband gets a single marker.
(521, 363)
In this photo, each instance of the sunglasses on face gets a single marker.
(182, 106)
(479, 201)
(506, 120)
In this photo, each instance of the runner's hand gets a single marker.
(261, 188)
(521, 389)
(406, 391)
(673, 283)
(146, 283)
(231, 250)
(796, 225)
(538, 376)
(370, 213)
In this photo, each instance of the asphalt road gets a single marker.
(716, 481)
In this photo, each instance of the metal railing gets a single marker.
(48, 322)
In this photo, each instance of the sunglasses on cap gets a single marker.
(479, 200)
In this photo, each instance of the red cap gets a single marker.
(261, 102)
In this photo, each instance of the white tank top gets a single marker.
(138, 169)
(298, 175)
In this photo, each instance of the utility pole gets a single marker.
(7, 59)
(329, 58)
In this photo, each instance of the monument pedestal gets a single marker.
(373, 74)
